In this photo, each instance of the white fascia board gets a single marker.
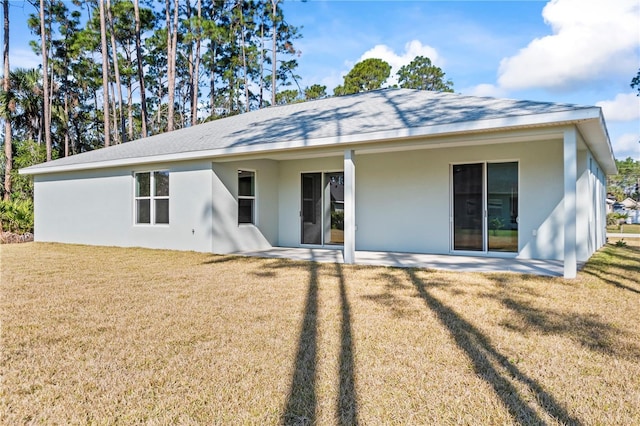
(604, 153)
(553, 118)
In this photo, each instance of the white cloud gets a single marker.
(489, 90)
(24, 58)
(591, 39)
(625, 107)
(411, 50)
(627, 145)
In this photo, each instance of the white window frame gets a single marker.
(253, 198)
(151, 197)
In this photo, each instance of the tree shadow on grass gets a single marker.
(586, 329)
(347, 406)
(602, 272)
(493, 367)
(222, 258)
(301, 401)
(617, 266)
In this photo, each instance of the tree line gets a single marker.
(117, 70)
(626, 184)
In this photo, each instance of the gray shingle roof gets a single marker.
(359, 114)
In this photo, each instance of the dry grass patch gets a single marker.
(625, 241)
(112, 335)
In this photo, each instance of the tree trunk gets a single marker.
(159, 112)
(261, 97)
(143, 99)
(196, 71)
(105, 75)
(8, 145)
(46, 120)
(274, 45)
(212, 79)
(172, 41)
(244, 60)
(116, 68)
(66, 124)
(114, 115)
(130, 109)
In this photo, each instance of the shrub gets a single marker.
(16, 216)
(337, 220)
(615, 218)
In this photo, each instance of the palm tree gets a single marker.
(26, 102)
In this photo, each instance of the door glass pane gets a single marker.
(467, 207)
(311, 208)
(334, 207)
(502, 206)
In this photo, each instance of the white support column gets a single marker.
(349, 206)
(570, 206)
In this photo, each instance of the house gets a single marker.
(629, 204)
(393, 170)
(630, 208)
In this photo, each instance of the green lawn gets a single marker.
(96, 335)
(625, 229)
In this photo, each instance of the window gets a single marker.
(246, 196)
(152, 197)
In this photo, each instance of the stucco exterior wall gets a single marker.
(591, 209)
(417, 187)
(289, 188)
(403, 198)
(97, 208)
(229, 236)
(403, 202)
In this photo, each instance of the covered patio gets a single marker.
(553, 268)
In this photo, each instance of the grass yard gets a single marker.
(94, 335)
(624, 228)
(630, 242)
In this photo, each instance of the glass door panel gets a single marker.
(334, 208)
(502, 206)
(468, 207)
(311, 214)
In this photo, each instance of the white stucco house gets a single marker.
(391, 170)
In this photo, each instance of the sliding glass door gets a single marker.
(502, 207)
(334, 208)
(485, 207)
(322, 210)
(311, 214)
(468, 207)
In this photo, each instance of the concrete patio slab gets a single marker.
(458, 263)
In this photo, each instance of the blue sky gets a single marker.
(577, 51)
